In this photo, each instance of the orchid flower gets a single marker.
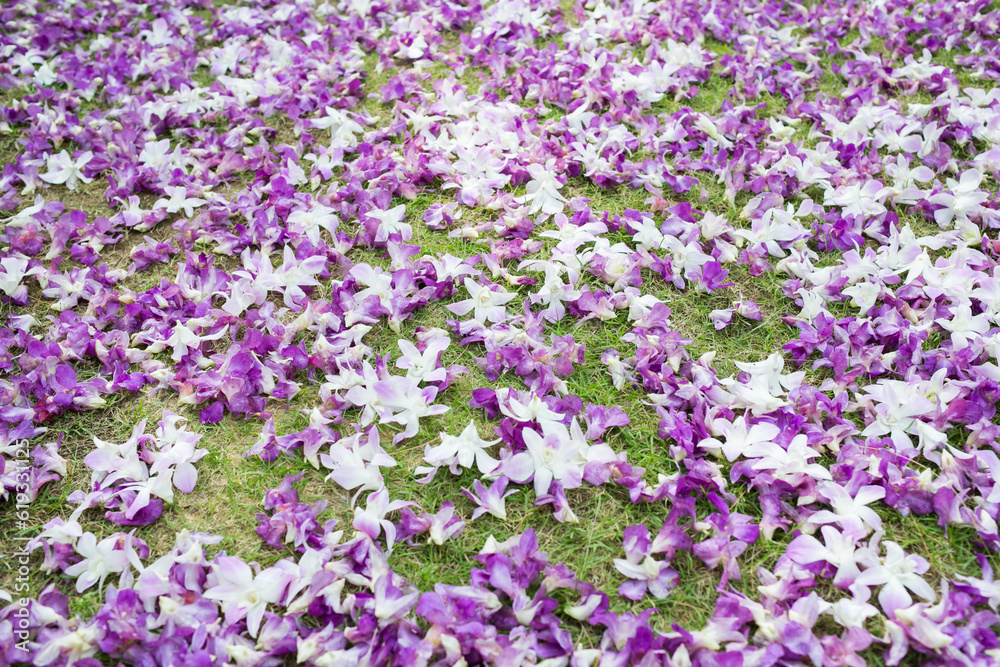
(66, 170)
(343, 128)
(390, 602)
(491, 500)
(488, 304)
(439, 527)
(74, 646)
(284, 207)
(390, 222)
(356, 465)
(402, 401)
(244, 594)
(179, 201)
(738, 437)
(309, 221)
(423, 366)
(553, 455)
(965, 199)
(642, 569)
(543, 190)
(897, 573)
(838, 549)
(788, 464)
(115, 554)
(15, 270)
(372, 520)
(852, 513)
(525, 408)
(184, 340)
(462, 451)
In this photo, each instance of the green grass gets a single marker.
(231, 487)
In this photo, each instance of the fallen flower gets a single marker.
(491, 500)
(485, 301)
(64, 170)
(645, 572)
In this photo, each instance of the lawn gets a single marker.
(511, 333)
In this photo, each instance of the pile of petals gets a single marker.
(280, 182)
(137, 476)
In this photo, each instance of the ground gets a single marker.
(242, 91)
